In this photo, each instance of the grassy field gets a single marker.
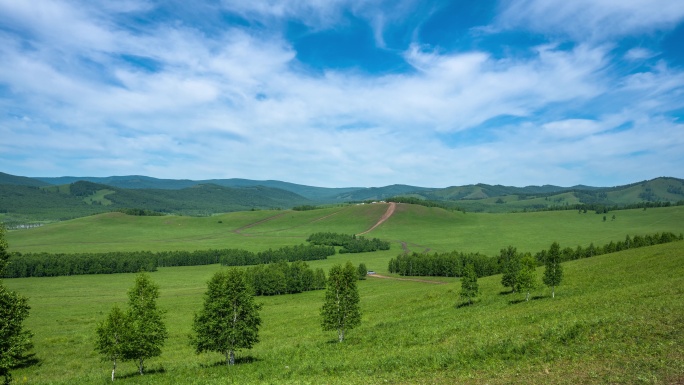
(419, 227)
(617, 318)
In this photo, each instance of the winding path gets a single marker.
(386, 216)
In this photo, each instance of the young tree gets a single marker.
(509, 259)
(14, 309)
(363, 271)
(553, 273)
(146, 329)
(469, 286)
(527, 275)
(229, 319)
(111, 336)
(341, 309)
(319, 280)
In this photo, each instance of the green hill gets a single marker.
(616, 318)
(28, 203)
(320, 194)
(7, 179)
(411, 227)
(187, 197)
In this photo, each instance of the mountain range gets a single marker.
(50, 198)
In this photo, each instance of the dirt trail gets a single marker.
(408, 279)
(239, 230)
(386, 216)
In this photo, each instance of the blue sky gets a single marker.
(345, 93)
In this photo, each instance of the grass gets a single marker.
(622, 327)
(616, 318)
(421, 228)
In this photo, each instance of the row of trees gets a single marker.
(569, 254)
(228, 321)
(61, 264)
(453, 264)
(450, 264)
(51, 265)
(283, 278)
(287, 253)
(349, 243)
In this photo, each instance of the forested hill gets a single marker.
(319, 194)
(20, 180)
(84, 198)
(32, 199)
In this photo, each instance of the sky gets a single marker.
(341, 93)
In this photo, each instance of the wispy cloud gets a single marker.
(131, 88)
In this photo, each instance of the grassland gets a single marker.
(419, 227)
(617, 318)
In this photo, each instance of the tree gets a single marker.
(15, 341)
(469, 286)
(527, 275)
(553, 272)
(363, 271)
(229, 319)
(111, 336)
(146, 329)
(341, 310)
(509, 259)
(319, 280)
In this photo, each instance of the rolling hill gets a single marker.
(21, 202)
(25, 199)
(616, 318)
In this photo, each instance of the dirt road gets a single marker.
(386, 216)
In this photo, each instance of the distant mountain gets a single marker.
(76, 196)
(85, 198)
(320, 194)
(20, 180)
(380, 193)
(127, 182)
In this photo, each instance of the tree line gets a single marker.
(62, 264)
(453, 264)
(284, 278)
(58, 264)
(349, 243)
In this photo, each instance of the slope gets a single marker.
(615, 319)
(419, 228)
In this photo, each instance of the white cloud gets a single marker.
(639, 53)
(237, 104)
(591, 19)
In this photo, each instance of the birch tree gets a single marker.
(229, 319)
(509, 259)
(341, 310)
(111, 337)
(146, 329)
(553, 272)
(527, 276)
(469, 287)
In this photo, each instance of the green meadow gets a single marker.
(616, 318)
